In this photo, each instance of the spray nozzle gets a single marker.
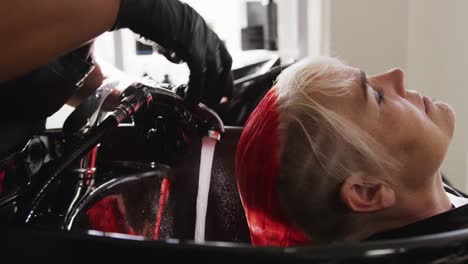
(134, 97)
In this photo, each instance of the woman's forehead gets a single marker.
(330, 84)
(349, 100)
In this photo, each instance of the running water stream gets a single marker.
(206, 162)
(163, 200)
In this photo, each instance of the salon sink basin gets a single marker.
(135, 191)
(81, 246)
(123, 164)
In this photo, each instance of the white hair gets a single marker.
(319, 148)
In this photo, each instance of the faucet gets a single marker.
(169, 97)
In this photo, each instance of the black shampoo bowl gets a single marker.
(135, 191)
(123, 169)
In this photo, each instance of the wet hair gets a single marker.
(318, 149)
(257, 167)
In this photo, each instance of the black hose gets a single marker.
(36, 191)
(134, 97)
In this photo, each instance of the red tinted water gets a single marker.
(163, 199)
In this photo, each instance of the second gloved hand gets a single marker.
(178, 27)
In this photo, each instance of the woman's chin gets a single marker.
(446, 118)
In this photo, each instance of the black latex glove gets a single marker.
(178, 27)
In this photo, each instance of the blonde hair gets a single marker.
(319, 148)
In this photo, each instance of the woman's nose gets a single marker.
(392, 80)
(397, 78)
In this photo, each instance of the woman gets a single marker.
(331, 155)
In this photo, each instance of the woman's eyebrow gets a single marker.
(364, 84)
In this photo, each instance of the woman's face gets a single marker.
(413, 128)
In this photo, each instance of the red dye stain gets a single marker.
(163, 199)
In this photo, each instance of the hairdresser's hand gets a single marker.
(178, 27)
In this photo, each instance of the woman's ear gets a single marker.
(366, 194)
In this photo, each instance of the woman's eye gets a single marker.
(379, 96)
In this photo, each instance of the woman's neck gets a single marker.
(413, 206)
(435, 198)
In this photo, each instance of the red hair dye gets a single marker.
(257, 171)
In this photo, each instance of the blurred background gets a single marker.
(426, 38)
